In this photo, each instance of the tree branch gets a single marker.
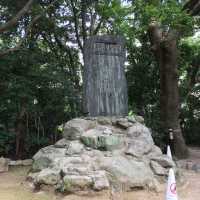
(15, 19)
(28, 29)
(83, 17)
(50, 43)
(96, 30)
(73, 72)
(92, 21)
(192, 7)
(76, 25)
(196, 9)
(2, 53)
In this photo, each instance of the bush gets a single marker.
(33, 144)
(7, 143)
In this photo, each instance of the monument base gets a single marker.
(101, 153)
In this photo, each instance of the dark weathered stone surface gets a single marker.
(105, 89)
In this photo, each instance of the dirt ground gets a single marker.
(14, 187)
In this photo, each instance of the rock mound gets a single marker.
(99, 153)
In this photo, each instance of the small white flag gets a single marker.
(171, 193)
(169, 153)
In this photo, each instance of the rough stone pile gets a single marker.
(99, 153)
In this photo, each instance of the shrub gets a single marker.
(7, 143)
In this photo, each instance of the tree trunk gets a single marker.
(105, 89)
(165, 49)
(20, 130)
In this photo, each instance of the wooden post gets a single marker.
(105, 87)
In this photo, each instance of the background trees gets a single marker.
(41, 44)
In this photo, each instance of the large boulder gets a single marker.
(158, 169)
(104, 120)
(164, 161)
(46, 156)
(140, 132)
(77, 182)
(41, 163)
(138, 148)
(76, 127)
(62, 143)
(123, 123)
(100, 180)
(74, 147)
(50, 152)
(96, 180)
(102, 139)
(129, 172)
(99, 153)
(155, 151)
(48, 177)
(63, 163)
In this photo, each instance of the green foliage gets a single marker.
(45, 75)
(142, 70)
(34, 142)
(7, 141)
(169, 13)
(116, 15)
(131, 113)
(190, 88)
(44, 82)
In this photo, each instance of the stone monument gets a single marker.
(106, 149)
(105, 89)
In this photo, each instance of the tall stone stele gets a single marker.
(105, 87)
